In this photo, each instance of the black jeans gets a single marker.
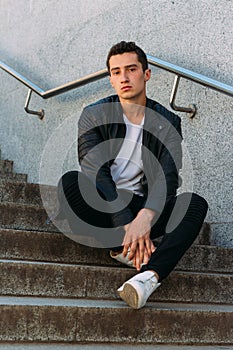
(179, 223)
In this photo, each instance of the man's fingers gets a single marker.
(125, 250)
(141, 247)
(137, 259)
(146, 257)
(133, 248)
(150, 246)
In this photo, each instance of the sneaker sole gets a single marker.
(129, 295)
(122, 260)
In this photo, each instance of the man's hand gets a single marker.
(137, 238)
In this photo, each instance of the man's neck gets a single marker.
(134, 112)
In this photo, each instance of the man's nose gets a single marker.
(124, 77)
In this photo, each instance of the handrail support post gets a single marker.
(40, 113)
(192, 109)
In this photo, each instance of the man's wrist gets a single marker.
(126, 227)
(149, 212)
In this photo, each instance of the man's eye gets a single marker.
(115, 73)
(132, 69)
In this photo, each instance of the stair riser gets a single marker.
(30, 194)
(6, 166)
(55, 247)
(123, 325)
(20, 193)
(101, 283)
(13, 177)
(31, 217)
(26, 193)
(109, 346)
(24, 217)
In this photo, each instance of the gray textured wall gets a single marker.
(53, 42)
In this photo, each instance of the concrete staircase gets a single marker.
(57, 294)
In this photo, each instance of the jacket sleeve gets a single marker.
(95, 160)
(93, 155)
(165, 168)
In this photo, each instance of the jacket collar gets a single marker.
(154, 121)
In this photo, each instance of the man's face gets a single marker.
(127, 77)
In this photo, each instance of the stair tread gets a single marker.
(19, 205)
(58, 234)
(111, 304)
(25, 192)
(24, 216)
(96, 346)
(88, 320)
(45, 275)
(56, 247)
(100, 267)
(56, 279)
(6, 166)
(13, 177)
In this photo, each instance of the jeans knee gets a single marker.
(200, 201)
(194, 203)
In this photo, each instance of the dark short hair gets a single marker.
(130, 46)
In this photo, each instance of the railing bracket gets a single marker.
(191, 109)
(40, 113)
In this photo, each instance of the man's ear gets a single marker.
(147, 74)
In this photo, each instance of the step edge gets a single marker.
(103, 267)
(96, 303)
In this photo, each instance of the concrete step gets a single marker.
(25, 193)
(6, 166)
(82, 321)
(33, 217)
(57, 293)
(79, 281)
(56, 247)
(45, 197)
(7, 173)
(95, 346)
(13, 177)
(22, 216)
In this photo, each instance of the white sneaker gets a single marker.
(123, 259)
(137, 289)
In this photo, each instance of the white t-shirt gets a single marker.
(127, 168)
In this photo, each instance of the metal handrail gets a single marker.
(190, 75)
(172, 68)
(58, 90)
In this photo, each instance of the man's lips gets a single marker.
(125, 88)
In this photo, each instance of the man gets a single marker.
(130, 153)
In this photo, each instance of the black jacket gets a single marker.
(101, 133)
